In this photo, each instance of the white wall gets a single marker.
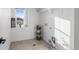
(76, 31)
(48, 18)
(5, 27)
(67, 14)
(28, 32)
(47, 21)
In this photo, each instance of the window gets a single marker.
(20, 15)
(20, 12)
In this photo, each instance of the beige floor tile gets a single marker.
(28, 45)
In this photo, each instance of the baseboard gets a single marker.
(22, 40)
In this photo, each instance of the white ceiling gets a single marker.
(44, 9)
(39, 9)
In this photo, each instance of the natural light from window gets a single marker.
(62, 31)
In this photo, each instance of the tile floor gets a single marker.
(31, 44)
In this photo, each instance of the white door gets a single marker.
(5, 27)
